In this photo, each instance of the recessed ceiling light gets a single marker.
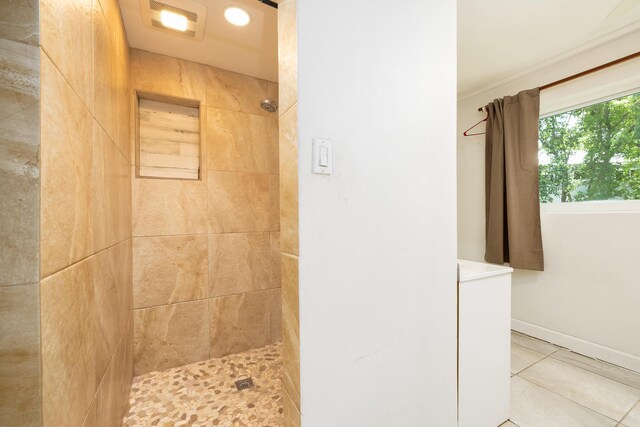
(236, 16)
(173, 20)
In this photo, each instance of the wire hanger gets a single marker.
(466, 132)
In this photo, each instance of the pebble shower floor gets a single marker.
(204, 394)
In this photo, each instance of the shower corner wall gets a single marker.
(20, 396)
(289, 241)
(85, 214)
(68, 311)
(206, 252)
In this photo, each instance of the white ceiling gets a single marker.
(251, 50)
(500, 39)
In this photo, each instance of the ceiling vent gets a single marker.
(195, 13)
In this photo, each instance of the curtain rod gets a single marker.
(589, 71)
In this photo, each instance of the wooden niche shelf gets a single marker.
(168, 137)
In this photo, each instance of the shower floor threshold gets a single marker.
(204, 394)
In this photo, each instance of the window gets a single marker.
(168, 138)
(591, 153)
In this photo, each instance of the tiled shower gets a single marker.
(206, 276)
(113, 274)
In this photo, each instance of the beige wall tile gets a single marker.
(290, 328)
(112, 293)
(112, 397)
(239, 322)
(19, 146)
(24, 17)
(236, 92)
(110, 191)
(170, 335)
(169, 269)
(91, 418)
(19, 355)
(166, 75)
(110, 9)
(237, 141)
(287, 55)
(19, 224)
(289, 182)
(288, 162)
(69, 373)
(238, 202)
(204, 136)
(291, 412)
(275, 258)
(239, 262)
(85, 210)
(274, 202)
(105, 84)
(66, 205)
(124, 202)
(276, 315)
(66, 37)
(123, 93)
(239, 149)
(164, 207)
(274, 146)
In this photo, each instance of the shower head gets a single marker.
(269, 105)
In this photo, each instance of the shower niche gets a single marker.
(168, 137)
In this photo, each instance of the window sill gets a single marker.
(593, 207)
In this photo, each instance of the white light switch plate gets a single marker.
(322, 156)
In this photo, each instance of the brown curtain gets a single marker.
(512, 196)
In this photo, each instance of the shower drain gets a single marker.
(244, 384)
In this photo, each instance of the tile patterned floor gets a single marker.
(553, 387)
(203, 394)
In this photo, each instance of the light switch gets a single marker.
(322, 156)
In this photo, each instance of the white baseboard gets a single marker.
(578, 345)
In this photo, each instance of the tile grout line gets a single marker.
(82, 101)
(604, 362)
(591, 372)
(628, 412)
(104, 374)
(576, 366)
(570, 400)
(203, 234)
(12, 285)
(205, 298)
(534, 363)
(557, 394)
(85, 258)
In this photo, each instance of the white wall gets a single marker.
(588, 297)
(377, 238)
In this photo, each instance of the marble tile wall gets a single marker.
(86, 290)
(206, 270)
(20, 385)
(288, 193)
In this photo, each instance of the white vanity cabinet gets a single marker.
(484, 335)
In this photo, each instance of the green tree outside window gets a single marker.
(592, 153)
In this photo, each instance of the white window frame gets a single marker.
(603, 86)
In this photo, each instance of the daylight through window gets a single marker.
(591, 153)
